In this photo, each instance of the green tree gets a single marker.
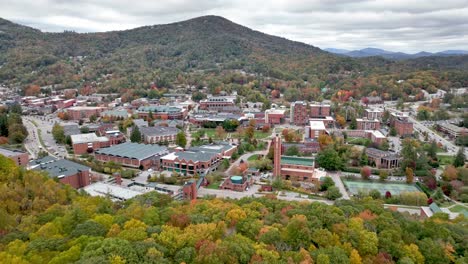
(181, 140)
(333, 193)
(459, 160)
(136, 135)
(292, 151)
(432, 150)
(58, 133)
(329, 159)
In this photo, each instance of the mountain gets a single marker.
(132, 59)
(369, 52)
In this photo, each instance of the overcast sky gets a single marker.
(397, 25)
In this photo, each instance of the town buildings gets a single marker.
(197, 160)
(134, 155)
(274, 116)
(159, 134)
(373, 113)
(383, 159)
(20, 158)
(315, 129)
(219, 104)
(298, 113)
(401, 124)
(88, 143)
(67, 172)
(452, 130)
(367, 124)
(319, 110)
(161, 112)
(84, 112)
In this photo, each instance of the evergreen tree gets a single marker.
(459, 160)
(181, 140)
(136, 135)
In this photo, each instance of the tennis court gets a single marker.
(394, 188)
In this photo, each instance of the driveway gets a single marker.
(338, 183)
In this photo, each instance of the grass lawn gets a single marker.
(253, 157)
(261, 135)
(445, 160)
(214, 185)
(458, 208)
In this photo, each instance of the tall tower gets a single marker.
(277, 156)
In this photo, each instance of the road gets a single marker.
(244, 157)
(45, 125)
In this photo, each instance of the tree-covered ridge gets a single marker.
(140, 56)
(54, 224)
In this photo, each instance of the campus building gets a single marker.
(451, 130)
(236, 183)
(319, 110)
(132, 155)
(274, 116)
(219, 104)
(84, 112)
(159, 134)
(20, 158)
(161, 112)
(383, 159)
(401, 124)
(67, 172)
(298, 113)
(197, 160)
(372, 114)
(88, 143)
(367, 124)
(315, 129)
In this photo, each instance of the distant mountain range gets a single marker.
(369, 52)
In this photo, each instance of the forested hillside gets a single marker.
(162, 54)
(42, 221)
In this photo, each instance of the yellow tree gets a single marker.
(409, 175)
(355, 258)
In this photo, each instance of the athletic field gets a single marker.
(395, 188)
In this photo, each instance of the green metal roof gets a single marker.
(133, 150)
(435, 208)
(297, 160)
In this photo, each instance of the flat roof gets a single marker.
(304, 161)
(10, 152)
(317, 125)
(376, 133)
(86, 138)
(58, 168)
(158, 131)
(133, 150)
(115, 191)
(79, 108)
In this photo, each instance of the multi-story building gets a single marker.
(133, 155)
(367, 124)
(154, 135)
(315, 129)
(274, 116)
(197, 160)
(373, 113)
(298, 113)
(319, 110)
(401, 124)
(20, 158)
(219, 104)
(84, 112)
(452, 130)
(161, 112)
(383, 159)
(88, 143)
(67, 172)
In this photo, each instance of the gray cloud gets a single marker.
(400, 25)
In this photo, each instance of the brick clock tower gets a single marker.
(277, 156)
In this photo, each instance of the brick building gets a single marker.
(84, 112)
(372, 114)
(219, 104)
(298, 113)
(154, 135)
(315, 129)
(132, 155)
(161, 112)
(319, 110)
(274, 116)
(67, 172)
(88, 143)
(383, 159)
(367, 124)
(401, 124)
(236, 183)
(20, 158)
(200, 160)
